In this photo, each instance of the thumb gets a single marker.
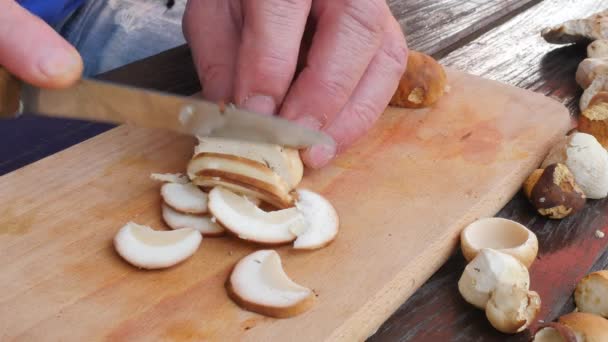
(33, 51)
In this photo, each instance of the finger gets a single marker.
(349, 33)
(370, 98)
(212, 28)
(272, 32)
(31, 50)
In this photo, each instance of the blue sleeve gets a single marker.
(51, 11)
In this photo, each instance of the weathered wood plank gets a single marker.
(515, 53)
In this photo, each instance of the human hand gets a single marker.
(247, 51)
(33, 51)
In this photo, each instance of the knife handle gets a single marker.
(10, 93)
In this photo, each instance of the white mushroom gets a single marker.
(258, 283)
(488, 270)
(147, 248)
(598, 85)
(586, 159)
(285, 162)
(555, 332)
(502, 235)
(591, 294)
(321, 221)
(203, 224)
(598, 49)
(178, 178)
(589, 69)
(242, 218)
(244, 176)
(186, 198)
(512, 309)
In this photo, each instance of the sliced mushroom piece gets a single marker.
(591, 294)
(587, 327)
(178, 178)
(589, 69)
(242, 218)
(285, 162)
(204, 224)
(597, 86)
(241, 175)
(555, 332)
(598, 49)
(487, 271)
(594, 120)
(258, 283)
(579, 30)
(502, 235)
(147, 248)
(512, 309)
(321, 221)
(185, 198)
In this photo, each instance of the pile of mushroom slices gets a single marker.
(247, 190)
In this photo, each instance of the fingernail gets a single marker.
(261, 104)
(319, 155)
(61, 63)
(309, 121)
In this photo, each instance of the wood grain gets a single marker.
(396, 230)
(515, 53)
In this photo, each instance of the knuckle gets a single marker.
(336, 87)
(396, 52)
(369, 15)
(364, 115)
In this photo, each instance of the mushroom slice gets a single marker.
(512, 309)
(178, 178)
(258, 283)
(203, 224)
(147, 248)
(500, 234)
(245, 176)
(321, 221)
(285, 162)
(242, 218)
(587, 327)
(555, 332)
(186, 198)
(487, 271)
(591, 294)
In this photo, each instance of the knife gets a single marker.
(108, 102)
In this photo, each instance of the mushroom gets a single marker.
(594, 120)
(580, 30)
(178, 178)
(502, 235)
(285, 162)
(589, 69)
(555, 332)
(488, 270)
(598, 49)
(204, 224)
(321, 221)
(185, 198)
(598, 85)
(512, 309)
(422, 84)
(591, 294)
(258, 283)
(242, 218)
(586, 159)
(147, 248)
(240, 175)
(553, 192)
(587, 327)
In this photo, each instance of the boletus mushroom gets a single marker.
(423, 83)
(591, 294)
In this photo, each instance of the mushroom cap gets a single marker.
(512, 309)
(555, 332)
(586, 159)
(147, 248)
(588, 327)
(203, 224)
(185, 198)
(591, 294)
(242, 218)
(321, 221)
(423, 83)
(258, 283)
(502, 235)
(488, 270)
(598, 49)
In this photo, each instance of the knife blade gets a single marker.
(119, 104)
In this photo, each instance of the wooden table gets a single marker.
(497, 39)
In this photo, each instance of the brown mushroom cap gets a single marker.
(591, 327)
(554, 332)
(422, 84)
(555, 194)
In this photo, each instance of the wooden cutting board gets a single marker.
(403, 193)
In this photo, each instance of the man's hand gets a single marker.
(33, 51)
(246, 51)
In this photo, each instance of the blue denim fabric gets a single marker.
(111, 33)
(51, 11)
